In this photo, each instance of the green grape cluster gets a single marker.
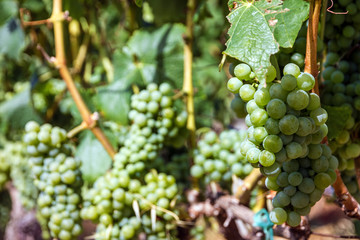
(177, 165)
(342, 30)
(218, 158)
(283, 118)
(13, 156)
(342, 89)
(197, 233)
(58, 178)
(117, 200)
(155, 121)
(300, 183)
(286, 126)
(111, 203)
(349, 178)
(4, 171)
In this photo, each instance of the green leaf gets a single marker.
(337, 118)
(76, 8)
(94, 158)
(113, 102)
(17, 111)
(251, 39)
(285, 18)
(138, 3)
(155, 56)
(8, 9)
(12, 39)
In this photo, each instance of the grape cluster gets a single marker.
(13, 157)
(111, 203)
(126, 191)
(4, 170)
(58, 178)
(177, 165)
(300, 183)
(349, 178)
(283, 118)
(155, 121)
(286, 126)
(342, 30)
(197, 232)
(341, 88)
(217, 158)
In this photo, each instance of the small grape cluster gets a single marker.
(197, 233)
(116, 199)
(154, 122)
(13, 156)
(4, 171)
(283, 118)
(342, 89)
(342, 85)
(342, 30)
(300, 183)
(111, 204)
(350, 180)
(177, 165)
(58, 178)
(217, 158)
(286, 126)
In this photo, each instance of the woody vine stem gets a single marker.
(89, 119)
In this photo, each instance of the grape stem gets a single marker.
(311, 42)
(243, 192)
(349, 205)
(188, 88)
(57, 17)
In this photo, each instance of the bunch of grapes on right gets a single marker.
(340, 91)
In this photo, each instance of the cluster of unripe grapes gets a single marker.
(342, 30)
(155, 121)
(4, 171)
(176, 165)
(131, 188)
(58, 178)
(218, 158)
(350, 180)
(341, 87)
(286, 127)
(300, 183)
(13, 160)
(111, 201)
(197, 233)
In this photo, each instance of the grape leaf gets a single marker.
(17, 111)
(138, 3)
(8, 9)
(155, 56)
(12, 39)
(251, 39)
(285, 18)
(95, 161)
(113, 102)
(337, 118)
